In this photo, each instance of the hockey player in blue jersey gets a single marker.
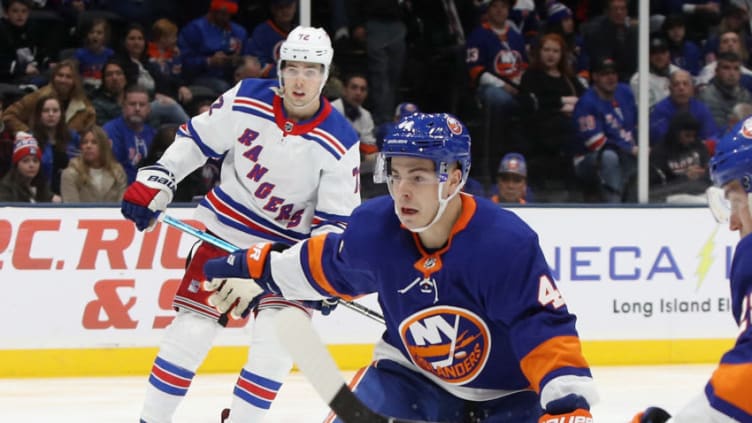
(726, 397)
(290, 169)
(476, 328)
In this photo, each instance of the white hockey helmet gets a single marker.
(306, 44)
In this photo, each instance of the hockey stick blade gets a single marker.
(230, 248)
(301, 340)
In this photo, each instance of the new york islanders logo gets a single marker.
(451, 343)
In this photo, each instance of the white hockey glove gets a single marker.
(148, 196)
(233, 294)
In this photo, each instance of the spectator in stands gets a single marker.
(402, 110)
(549, 129)
(108, 99)
(66, 85)
(685, 54)
(612, 35)
(351, 106)
(680, 163)
(211, 46)
(249, 67)
(681, 99)
(24, 46)
(729, 43)
(164, 53)
(194, 186)
(700, 15)
(733, 19)
(724, 90)
(95, 53)
(561, 21)
(379, 25)
(130, 133)
(525, 19)
(267, 36)
(661, 69)
(511, 181)
(95, 176)
(6, 144)
(139, 70)
(606, 118)
(25, 182)
(496, 60)
(57, 143)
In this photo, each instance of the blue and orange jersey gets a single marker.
(481, 316)
(499, 54)
(606, 123)
(264, 44)
(727, 391)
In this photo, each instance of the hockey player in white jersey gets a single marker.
(290, 170)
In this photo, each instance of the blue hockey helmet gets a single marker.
(440, 137)
(733, 157)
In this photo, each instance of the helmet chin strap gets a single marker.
(443, 202)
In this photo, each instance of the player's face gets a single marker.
(302, 81)
(740, 218)
(414, 187)
(29, 166)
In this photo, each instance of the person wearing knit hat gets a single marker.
(25, 181)
(557, 12)
(25, 145)
(212, 46)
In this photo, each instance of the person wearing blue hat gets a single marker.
(511, 180)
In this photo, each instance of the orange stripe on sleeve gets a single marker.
(256, 257)
(475, 72)
(555, 353)
(315, 247)
(731, 383)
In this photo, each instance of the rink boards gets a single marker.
(87, 294)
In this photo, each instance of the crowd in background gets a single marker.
(91, 90)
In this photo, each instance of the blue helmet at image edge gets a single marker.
(733, 157)
(440, 137)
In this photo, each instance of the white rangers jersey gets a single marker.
(281, 181)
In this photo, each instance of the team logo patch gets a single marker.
(747, 128)
(450, 343)
(454, 125)
(288, 126)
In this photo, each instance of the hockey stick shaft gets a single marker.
(298, 336)
(230, 248)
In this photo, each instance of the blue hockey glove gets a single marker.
(571, 408)
(239, 279)
(148, 196)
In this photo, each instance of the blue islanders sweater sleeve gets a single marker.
(727, 391)
(331, 264)
(542, 331)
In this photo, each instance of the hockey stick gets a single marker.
(230, 248)
(298, 336)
